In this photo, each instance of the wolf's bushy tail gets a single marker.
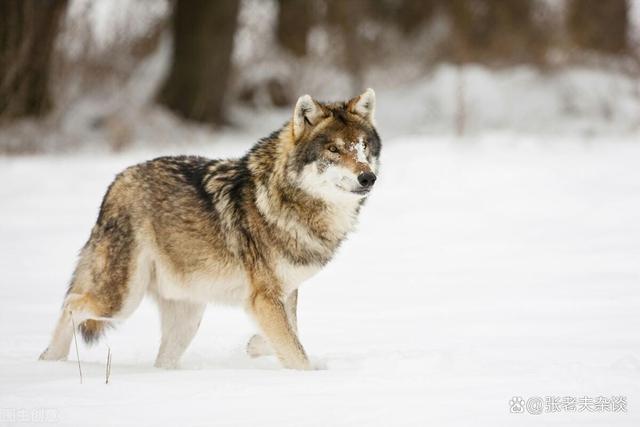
(92, 330)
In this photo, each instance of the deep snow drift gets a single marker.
(482, 269)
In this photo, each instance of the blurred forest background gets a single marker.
(115, 74)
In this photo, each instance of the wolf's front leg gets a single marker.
(272, 318)
(258, 345)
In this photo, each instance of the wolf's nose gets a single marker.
(366, 179)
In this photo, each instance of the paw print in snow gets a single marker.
(516, 405)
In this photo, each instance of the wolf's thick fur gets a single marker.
(190, 231)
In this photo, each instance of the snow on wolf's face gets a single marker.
(340, 165)
(337, 147)
(340, 168)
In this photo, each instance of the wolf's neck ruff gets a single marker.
(304, 227)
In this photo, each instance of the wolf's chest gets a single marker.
(292, 276)
(229, 286)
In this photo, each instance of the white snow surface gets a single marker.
(482, 269)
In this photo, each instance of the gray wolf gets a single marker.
(189, 231)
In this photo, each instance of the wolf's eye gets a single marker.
(364, 144)
(332, 148)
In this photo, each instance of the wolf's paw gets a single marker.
(258, 346)
(166, 364)
(298, 365)
(50, 355)
(319, 364)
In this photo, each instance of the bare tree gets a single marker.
(347, 16)
(203, 32)
(28, 30)
(293, 25)
(408, 15)
(495, 30)
(599, 25)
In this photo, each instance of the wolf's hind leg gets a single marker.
(82, 308)
(258, 345)
(109, 282)
(58, 348)
(180, 321)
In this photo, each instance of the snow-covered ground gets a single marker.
(482, 269)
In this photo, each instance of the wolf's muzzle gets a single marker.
(367, 179)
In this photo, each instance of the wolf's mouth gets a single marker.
(361, 191)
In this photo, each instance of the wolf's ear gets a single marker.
(364, 105)
(307, 113)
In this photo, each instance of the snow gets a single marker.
(361, 157)
(569, 101)
(482, 269)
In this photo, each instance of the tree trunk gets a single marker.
(413, 14)
(495, 30)
(28, 29)
(293, 25)
(347, 17)
(599, 25)
(203, 32)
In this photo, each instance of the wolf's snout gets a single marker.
(366, 179)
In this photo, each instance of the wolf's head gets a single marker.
(337, 148)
